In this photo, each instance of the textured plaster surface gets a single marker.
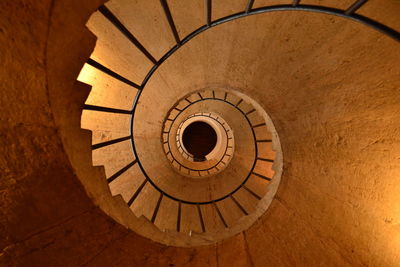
(330, 85)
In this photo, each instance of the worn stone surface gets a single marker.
(330, 85)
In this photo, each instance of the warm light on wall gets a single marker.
(87, 74)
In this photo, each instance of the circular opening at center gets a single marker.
(199, 139)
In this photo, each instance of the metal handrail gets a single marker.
(233, 191)
(196, 115)
(192, 116)
(348, 13)
(169, 130)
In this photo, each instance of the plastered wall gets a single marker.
(330, 85)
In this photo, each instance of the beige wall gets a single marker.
(330, 85)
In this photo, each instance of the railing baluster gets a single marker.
(220, 215)
(121, 171)
(258, 125)
(113, 74)
(251, 111)
(105, 109)
(264, 159)
(203, 228)
(178, 221)
(107, 143)
(356, 5)
(249, 5)
(153, 218)
(238, 103)
(264, 141)
(238, 204)
(114, 20)
(208, 9)
(251, 192)
(170, 20)
(135, 195)
(261, 176)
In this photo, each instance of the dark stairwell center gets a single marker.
(199, 139)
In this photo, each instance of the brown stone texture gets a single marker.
(330, 85)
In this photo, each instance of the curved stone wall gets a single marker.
(330, 85)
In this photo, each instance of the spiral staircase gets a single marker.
(169, 195)
(303, 90)
(190, 195)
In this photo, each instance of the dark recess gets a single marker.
(199, 139)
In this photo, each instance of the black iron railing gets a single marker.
(167, 132)
(349, 13)
(202, 114)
